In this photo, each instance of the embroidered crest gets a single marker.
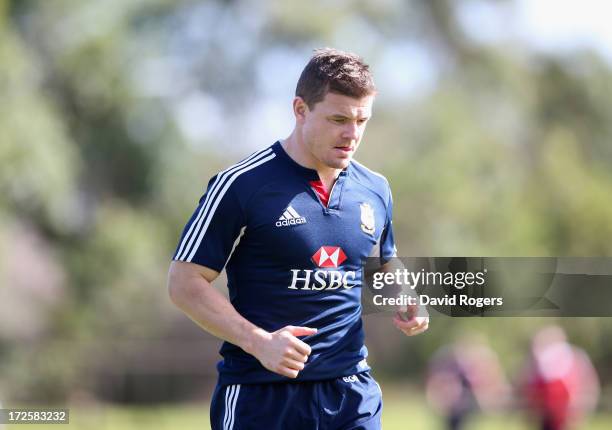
(368, 224)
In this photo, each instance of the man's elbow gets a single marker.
(187, 282)
(176, 285)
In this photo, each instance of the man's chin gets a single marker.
(340, 164)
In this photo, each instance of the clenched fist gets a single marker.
(282, 352)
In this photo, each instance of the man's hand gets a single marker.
(407, 321)
(282, 352)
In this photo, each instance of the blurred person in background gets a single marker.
(306, 215)
(464, 378)
(560, 384)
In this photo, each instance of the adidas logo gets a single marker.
(290, 217)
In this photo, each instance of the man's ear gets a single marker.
(300, 108)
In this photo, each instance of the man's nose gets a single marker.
(351, 131)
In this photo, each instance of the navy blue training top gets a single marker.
(297, 262)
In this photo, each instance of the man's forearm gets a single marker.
(399, 289)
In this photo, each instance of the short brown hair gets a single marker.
(331, 70)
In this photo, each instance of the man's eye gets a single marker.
(338, 120)
(361, 121)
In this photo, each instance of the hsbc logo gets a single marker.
(329, 256)
(326, 257)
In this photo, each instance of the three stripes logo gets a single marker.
(231, 395)
(290, 217)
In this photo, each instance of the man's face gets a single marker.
(333, 129)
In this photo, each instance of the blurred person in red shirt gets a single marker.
(560, 384)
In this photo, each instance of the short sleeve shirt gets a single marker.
(290, 259)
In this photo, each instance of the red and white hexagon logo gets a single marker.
(329, 256)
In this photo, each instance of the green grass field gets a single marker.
(400, 413)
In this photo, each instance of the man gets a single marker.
(560, 385)
(465, 378)
(306, 216)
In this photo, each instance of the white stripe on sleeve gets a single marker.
(210, 196)
(208, 217)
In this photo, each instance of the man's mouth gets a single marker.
(345, 148)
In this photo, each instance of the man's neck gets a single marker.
(294, 147)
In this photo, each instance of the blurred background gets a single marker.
(493, 123)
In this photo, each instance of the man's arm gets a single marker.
(190, 289)
(411, 320)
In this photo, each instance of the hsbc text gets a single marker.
(307, 279)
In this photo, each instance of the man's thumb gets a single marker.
(301, 331)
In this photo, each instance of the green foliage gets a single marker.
(38, 158)
(507, 154)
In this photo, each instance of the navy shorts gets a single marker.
(350, 402)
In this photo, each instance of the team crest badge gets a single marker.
(368, 224)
